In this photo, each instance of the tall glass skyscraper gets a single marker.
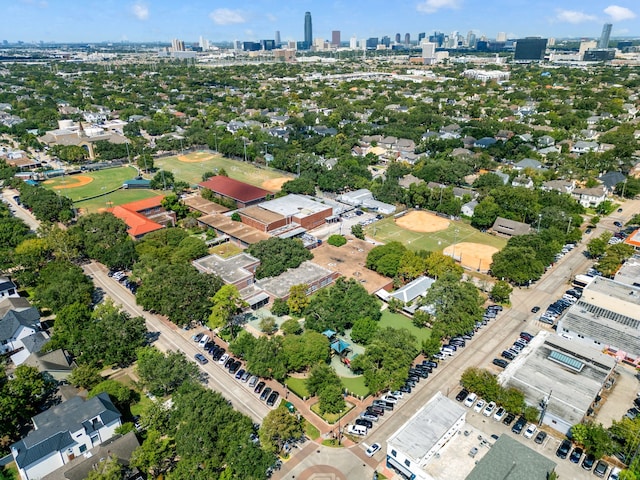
(604, 38)
(308, 30)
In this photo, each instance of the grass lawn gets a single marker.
(309, 429)
(330, 418)
(103, 181)
(141, 406)
(118, 197)
(191, 172)
(297, 386)
(355, 385)
(397, 320)
(226, 250)
(387, 231)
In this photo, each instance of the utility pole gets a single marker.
(539, 218)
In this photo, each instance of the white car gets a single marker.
(223, 359)
(479, 406)
(390, 399)
(488, 410)
(499, 415)
(373, 449)
(471, 398)
(398, 394)
(530, 431)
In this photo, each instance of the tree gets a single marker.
(517, 264)
(62, 283)
(145, 162)
(120, 394)
(531, 414)
(357, 231)
(598, 246)
(501, 292)
(291, 326)
(385, 259)
(431, 346)
(104, 238)
(363, 330)
(235, 216)
(268, 325)
(163, 373)
(331, 399)
(303, 351)
(278, 427)
(68, 326)
(437, 265)
(163, 180)
(227, 303)
(277, 255)
(594, 438)
(320, 376)
(482, 382)
(174, 204)
(155, 455)
(298, 299)
(280, 307)
(267, 358)
(336, 240)
(85, 376)
(109, 469)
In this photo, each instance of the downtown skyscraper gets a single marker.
(308, 30)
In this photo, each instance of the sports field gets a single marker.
(190, 167)
(425, 231)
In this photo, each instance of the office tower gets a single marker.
(586, 45)
(407, 38)
(604, 37)
(397, 38)
(471, 40)
(177, 45)
(277, 37)
(335, 38)
(372, 43)
(501, 37)
(551, 42)
(386, 41)
(353, 43)
(428, 50)
(267, 44)
(530, 49)
(421, 36)
(204, 43)
(308, 30)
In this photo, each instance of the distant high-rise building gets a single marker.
(335, 38)
(586, 45)
(530, 49)
(407, 38)
(471, 40)
(353, 43)
(501, 37)
(386, 41)
(277, 37)
(421, 36)
(551, 42)
(267, 44)
(397, 38)
(204, 43)
(177, 45)
(604, 37)
(308, 30)
(372, 43)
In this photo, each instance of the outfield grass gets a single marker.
(103, 181)
(396, 320)
(458, 231)
(191, 172)
(118, 197)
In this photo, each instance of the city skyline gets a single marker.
(162, 20)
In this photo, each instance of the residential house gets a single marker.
(510, 228)
(56, 363)
(611, 179)
(408, 180)
(468, 208)
(548, 150)
(590, 197)
(529, 163)
(522, 181)
(8, 288)
(546, 141)
(64, 432)
(562, 186)
(484, 142)
(582, 146)
(20, 332)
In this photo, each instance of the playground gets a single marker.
(419, 230)
(192, 166)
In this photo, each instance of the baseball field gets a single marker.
(190, 167)
(419, 230)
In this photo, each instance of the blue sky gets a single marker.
(162, 20)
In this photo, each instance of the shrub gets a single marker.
(336, 240)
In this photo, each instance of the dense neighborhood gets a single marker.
(417, 269)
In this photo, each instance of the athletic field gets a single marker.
(190, 167)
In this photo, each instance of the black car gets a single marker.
(273, 398)
(234, 367)
(601, 468)
(265, 394)
(364, 422)
(508, 419)
(240, 373)
(617, 224)
(563, 449)
(462, 395)
(230, 361)
(540, 437)
(259, 387)
(507, 355)
(375, 410)
(519, 425)
(535, 309)
(429, 363)
(405, 388)
(500, 362)
(576, 455)
(217, 355)
(588, 461)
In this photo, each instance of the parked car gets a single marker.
(500, 362)
(563, 449)
(389, 398)
(588, 461)
(535, 309)
(488, 410)
(470, 400)
(519, 425)
(372, 450)
(273, 398)
(234, 367)
(462, 394)
(240, 373)
(614, 474)
(479, 406)
(230, 361)
(383, 404)
(201, 359)
(617, 224)
(576, 455)
(530, 431)
(223, 359)
(601, 469)
(265, 394)
(369, 416)
(259, 387)
(499, 415)
(197, 337)
(508, 355)
(364, 422)
(375, 410)
(508, 419)
(540, 437)
(253, 380)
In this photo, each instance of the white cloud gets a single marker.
(573, 16)
(226, 16)
(432, 6)
(140, 10)
(618, 13)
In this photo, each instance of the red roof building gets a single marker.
(241, 193)
(141, 216)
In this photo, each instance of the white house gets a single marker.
(416, 442)
(8, 288)
(590, 197)
(20, 332)
(63, 433)
(584, 147)
(468, 208)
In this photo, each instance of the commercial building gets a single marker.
(510, 228)
(606, 317)
(429, 430)
(530, 49)
(237, 270)
(144, 216)
(236, 191)
(335, 38)
(563, 378)
(604, 36)
(308, 30)
(286, 213)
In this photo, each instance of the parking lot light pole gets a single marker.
(339, 430)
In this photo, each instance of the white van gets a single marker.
(357, 430)
(447, 351)
(203, 341)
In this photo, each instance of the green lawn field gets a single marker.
(118, 197)
(387, 231)
(397, 320)
(102, 182)
(201, 162)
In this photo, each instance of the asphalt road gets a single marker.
(19, 211)
(172, 338)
